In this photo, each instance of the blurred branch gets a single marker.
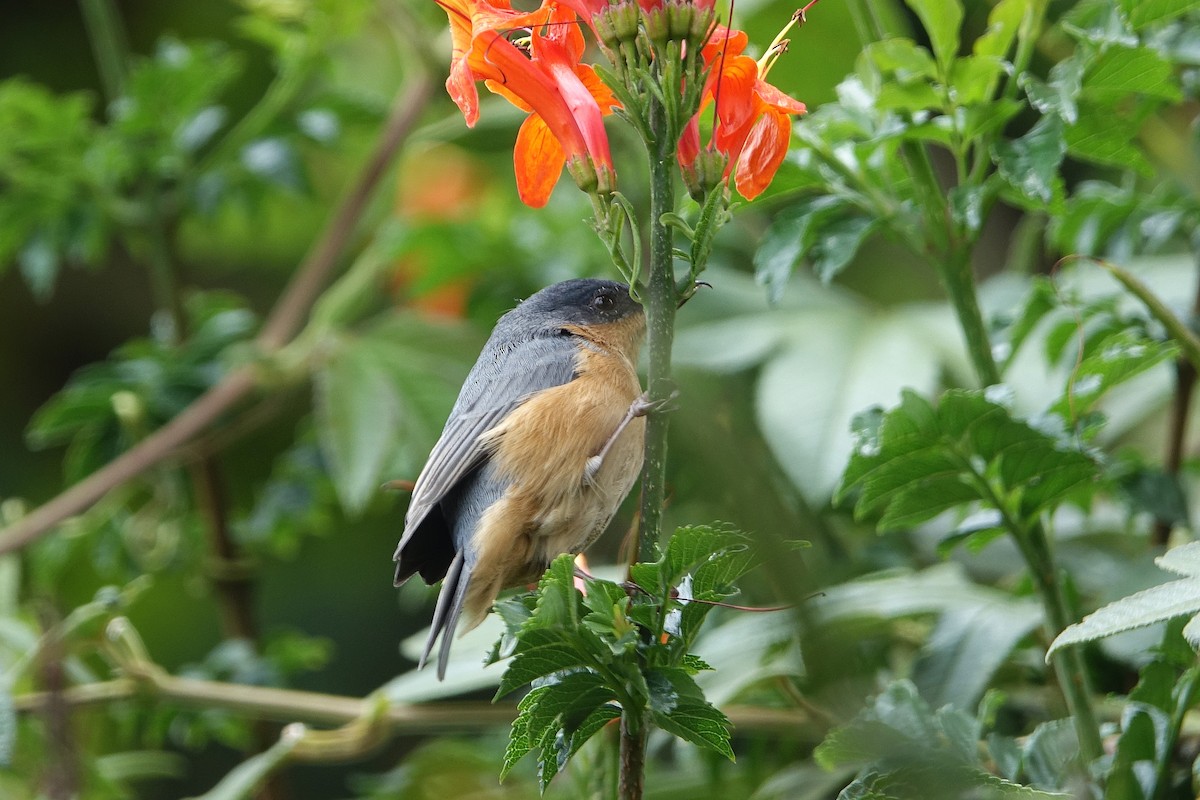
(285, 319)
(1181, 404)
(290, 705)
(108, 44)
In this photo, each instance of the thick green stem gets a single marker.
(661, 302)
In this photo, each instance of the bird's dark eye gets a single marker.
(603, 302)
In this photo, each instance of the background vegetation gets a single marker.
(269, 214)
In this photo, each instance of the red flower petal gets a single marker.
(765, 148)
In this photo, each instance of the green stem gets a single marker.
(954, 268)
(1068, 662)
(108, 44)
(1069, 668)
(631, 776)
(660, 301)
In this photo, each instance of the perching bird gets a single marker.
(541, 447)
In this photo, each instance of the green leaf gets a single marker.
(519, 740)
(974, 79)
(1051, 753)
(541, 653)
(1030, 164)
(1159, 603)
(558, 714)
(1103, 138)
(941, 20)
(698, 723)
(1111, 362)
(1132, 70)
(789, 238)
(1143, 13)
(1059, 96)
(8, 726)
(1004, 21)
(242, 780)
(968, 645)
(838, 244)
(921, 461)
(1182, 560)
(381, 398)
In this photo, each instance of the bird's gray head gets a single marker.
(582, 301)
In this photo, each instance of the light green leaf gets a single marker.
(838, 364)
(1182, 560)
(1156, 604)
(968, 645)
(941, 19)
(1004, 21)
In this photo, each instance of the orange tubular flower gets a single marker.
(566, 99)
(752, 125)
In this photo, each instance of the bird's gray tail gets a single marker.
(446, 613)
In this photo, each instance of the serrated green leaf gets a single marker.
(540, 652)
(1182, 560)
(926, 499)
(941, 20)
(1050, 754)
(1060, 94)
(1156, 604)
(698, 723)
(519, 742)
(1103, 138)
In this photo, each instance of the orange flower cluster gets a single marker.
(533, 59)
(753, 119)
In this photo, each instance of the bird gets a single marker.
(542, 445)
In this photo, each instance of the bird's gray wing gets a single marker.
(501, 380)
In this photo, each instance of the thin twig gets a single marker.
(283, 322)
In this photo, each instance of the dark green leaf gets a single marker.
(698, 723)
(839, 243)
(540, 652)
(789, 238)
